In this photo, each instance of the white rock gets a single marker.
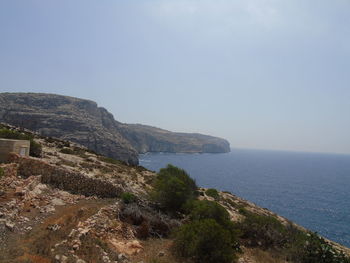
(122, 256)
(75, 246)
(39, 189)
(106, 259)
(10, 225)
(57, 202)
(61, 258)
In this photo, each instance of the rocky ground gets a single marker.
(85, 220)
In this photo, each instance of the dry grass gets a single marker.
(255, 255)
(150, 253)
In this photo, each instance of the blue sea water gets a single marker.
(310, 189)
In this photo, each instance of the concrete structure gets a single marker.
(7, 146)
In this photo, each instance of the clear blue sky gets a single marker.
(268, 74)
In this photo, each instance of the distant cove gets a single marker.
(310, 189)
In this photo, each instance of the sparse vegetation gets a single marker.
(146, 221)
(298, 246)
(173, 187)
(128, 198)
(109, 160)
(67, 151)
(204, 241)
(67, 163)
(263, 231)
(212, 193)
(57, 142)
(210, 236)
(309, 247)
(75, 151)
(207, 233)
(35, 148)
(200, 210)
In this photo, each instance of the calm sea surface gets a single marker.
(310, 189)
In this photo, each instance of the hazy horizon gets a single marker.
(265, 74)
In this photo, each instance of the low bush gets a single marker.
(261, 230)
(204, 241)
(242, 211)
(204, 209)
(212, 193)
(110, 160)
(35, 148)
(296, 245)
(146, 221)
(75, 151)
(66, 162)
(128, 198)
(67, 151)
(173, 187)
(311, 248)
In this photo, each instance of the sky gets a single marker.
(264, 74)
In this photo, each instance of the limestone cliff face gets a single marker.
(150, 139)
(67, 118)
(82, 121)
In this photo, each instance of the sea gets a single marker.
(310, 189)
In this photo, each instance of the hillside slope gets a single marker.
(68, 206)
(82, 121)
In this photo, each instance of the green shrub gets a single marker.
(242, 211)
(35, 148)
(296, 245)
(2, 172)
(204, 241)
(204, 209)
(173, 187)
(110, 160)
(128, 198)
(67, 151)
(311, 248)
(212, 193)
(261, 230)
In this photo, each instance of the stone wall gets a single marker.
(63, 179)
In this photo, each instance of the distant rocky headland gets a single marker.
(84, 122)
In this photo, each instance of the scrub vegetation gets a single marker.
(209, 235)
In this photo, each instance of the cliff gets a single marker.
(151, 139)
(82, 121)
